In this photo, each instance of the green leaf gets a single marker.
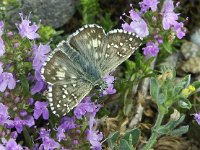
(196, 84)
(167, 46)
(112, 138)
(180, 131)
(154, 90)
(24, 84)
(182, 84)
(133, 134)
(124, 145)
(185, 104)
(28, 138)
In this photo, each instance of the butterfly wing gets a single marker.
(89, 42)
(65, 77)
(60, 67)
(119, 46)
(64, 96)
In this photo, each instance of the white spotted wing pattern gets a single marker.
(81, 62)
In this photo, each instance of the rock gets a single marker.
(191, 65)
(190, 49)
(51, 12)
(195, 37)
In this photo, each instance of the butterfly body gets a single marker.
(80, 63)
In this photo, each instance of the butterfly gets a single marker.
(80, 63)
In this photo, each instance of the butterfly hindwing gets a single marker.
(119, 46)
(64, 96)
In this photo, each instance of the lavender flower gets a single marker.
(94, 137)
(1, 68)
(110, 87)
(40, 55)
(151, 49)
(3, 114)
(41, 109)
(178, 28)
(39, 85)
(138, 25)
(27, 30)
(2, 47)
(1, 28)
(68, 123)
(7, 80)
(86, 106)
(12, 145)
(49, 144)
(197, 117)
(18, 123)
(60, 134)
(29, 121)
(44, 133)
(169, 17)
(146, 4)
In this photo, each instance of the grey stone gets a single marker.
(195, 37)
(51, 12)
(190, 49)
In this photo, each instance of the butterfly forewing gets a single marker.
(89, 41)
(59, 68)
(119, 46)
(64, 96)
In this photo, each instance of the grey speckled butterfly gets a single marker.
(80, 63)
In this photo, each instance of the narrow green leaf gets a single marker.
(154, 89)
(124, 145)
(133, 134)
(112, 138)
(24, 84)
(180, 131)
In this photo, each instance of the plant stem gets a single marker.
(154, 135)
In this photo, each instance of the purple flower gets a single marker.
(94, 137)
(138, 25)
(27, 30)
(109, 90)
(197, 117)
(2, 47)
(3, 114)
(29, 121)
(40, 55)
(12, 145)
(1, 68)
(39, 85)
(151, 49)
(86, 106)
(60, 134)
(169, 17)
(41, 109)
(14, 134)
(1, 28)
(110, 87)
(109, 79)
(44, 133)
(7, 79)
(146, 4)
(49, 144)
(68, 123)
(18, 123)
(178, 28)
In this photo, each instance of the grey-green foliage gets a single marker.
(92, 13)
(126, 142)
